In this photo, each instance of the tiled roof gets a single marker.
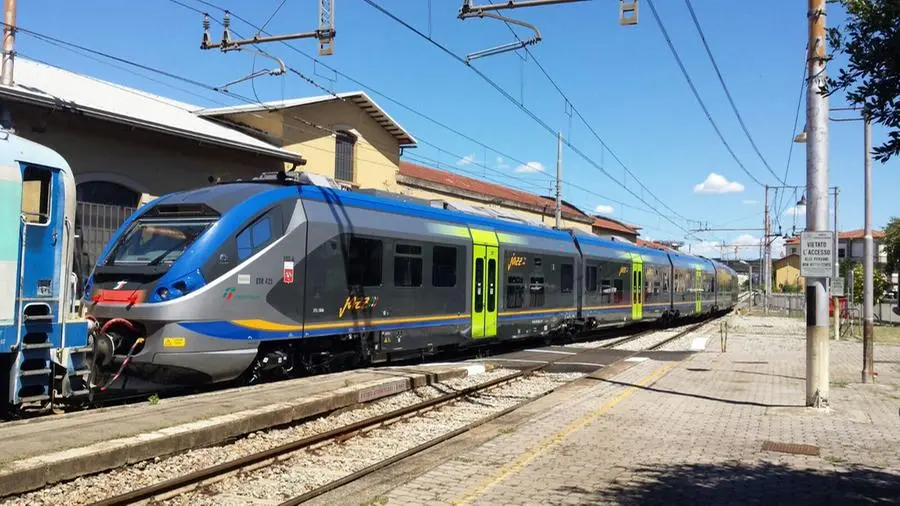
(614, 226)
(651, 244)
(489, 190)
(360, 98)
(58, 88)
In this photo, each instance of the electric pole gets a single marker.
(559, 147)
(868, 372)
(9, 42)
(767, 253)
(837, 269)
(817, 207)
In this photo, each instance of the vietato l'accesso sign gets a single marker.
(816, 254)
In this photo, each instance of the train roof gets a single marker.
(18, 149)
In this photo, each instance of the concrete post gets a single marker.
(817, 386)
(868, 372)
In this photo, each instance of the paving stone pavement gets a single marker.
(692, 433)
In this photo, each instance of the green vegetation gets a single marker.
(153, 400)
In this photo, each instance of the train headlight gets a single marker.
(182, 286)
(163, 293)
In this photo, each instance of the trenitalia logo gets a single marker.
(229, 294)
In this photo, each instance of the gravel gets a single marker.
(307, 470)
(95, 487)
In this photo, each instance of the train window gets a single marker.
(515, 291)
(407, 265)
(536, 292)
(254, 237)
(36, 195)
(443, 266)
(618, 290)
(492, 286)
(567, 283)
(537, 261)
(591, 281)
(479, 285)
(363, 259)
(606, 291)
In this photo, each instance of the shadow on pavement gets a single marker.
(739, 483)
(700, 396)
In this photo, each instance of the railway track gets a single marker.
(198, 481)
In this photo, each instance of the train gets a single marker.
(281, 275)
(289, 274)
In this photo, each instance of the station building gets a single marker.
(127, 147)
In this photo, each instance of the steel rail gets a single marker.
(202, 475)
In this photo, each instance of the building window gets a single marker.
(363, 265)
(36, 195)
(254, 237)
(407, 265)
(344, 145)
(108, 193)
(443, 266)
(842, 252)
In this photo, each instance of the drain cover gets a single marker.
(796, 449)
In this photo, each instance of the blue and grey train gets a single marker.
(45, 350)
(277, 276)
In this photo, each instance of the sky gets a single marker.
(662, 155)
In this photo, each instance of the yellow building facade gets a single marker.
(787, 273)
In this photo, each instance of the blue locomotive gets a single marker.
(45, 353)
(280, 276)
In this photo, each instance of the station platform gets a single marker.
(48, 449)
(715, 428)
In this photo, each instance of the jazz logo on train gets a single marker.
(515, 261)
(355, 303)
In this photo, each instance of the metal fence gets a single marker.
(94, 226)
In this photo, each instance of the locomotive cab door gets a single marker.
(637, 287)
(484, 284)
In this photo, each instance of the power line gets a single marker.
(421, 114)
(728, 93)
(787, 165)
(571, 106)
(512, 99)
(697, 94)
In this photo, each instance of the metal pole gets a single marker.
(837, 269)
(767, 267)
(868, 372)
(9, 42)
(817, 207)
(750, 287)
(559, 145)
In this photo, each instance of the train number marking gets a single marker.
(174, 342)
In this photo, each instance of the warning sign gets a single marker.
(816, 254)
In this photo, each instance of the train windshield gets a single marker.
(157, 242)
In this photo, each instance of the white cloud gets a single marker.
(714, 183)
(745, 240)
(751, 202)
(531, 167)
(799, 211)
(604, 209)
(466, 160)
(501, 163)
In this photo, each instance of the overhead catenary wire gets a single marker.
(414, 110)
(522, 107)
(787, 165)
(696, 94)
(734, 108)
(570, 108)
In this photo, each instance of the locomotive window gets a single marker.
(363, 262)
(407, 265)
(254, 237)
(36, 195)
(515, 291)
(567, 283)
(536, 292)
(443, 266)
(591, 281)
